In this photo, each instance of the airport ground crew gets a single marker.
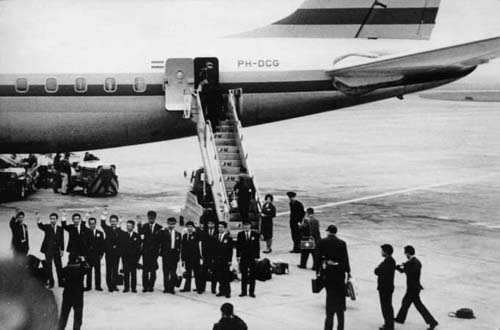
(223, 259)
(333, 260)
(191, 258)
(73, 292)
(150, 250)
(20, 239)
(52, 247)
(76, 231)
(43, 163)
(268, 212)
(296, 216)
(65, 174)
(412, 268)
(248, 253)
(112, 250)
(94, 242)
(208, 253)
(228, 320)
(309, 228)
(385, 285)
(130, 251)
(170, 248)
(56, 180)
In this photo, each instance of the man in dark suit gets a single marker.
(52, 247)
(20, 240)
(228, 320)
(191, 257)
(208, 252)
(296, 216)
(333, 262)
(150, 250)
(130, 250)
(248, 253)
(412, 268)
(73, 292)
(170, 249)
(76, 231)
(94, 242)
(223, 259)
(309, 228)
(112, 249)
(385, 273)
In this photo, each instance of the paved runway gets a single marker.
(417, 171)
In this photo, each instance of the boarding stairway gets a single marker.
(224, 156)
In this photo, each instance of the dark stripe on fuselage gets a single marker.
(157, 89)
(346, 16)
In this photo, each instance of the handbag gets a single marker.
(308, 243)
(234, 203)
(351, 292)
(317, 284)
(463, 313)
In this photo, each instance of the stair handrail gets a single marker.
(212, 163)
(239, 131)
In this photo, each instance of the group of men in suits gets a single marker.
(206, 252)
(385, 273)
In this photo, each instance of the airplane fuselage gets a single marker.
(281, 79)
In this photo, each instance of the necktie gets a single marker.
(151, 228)
(248, 236)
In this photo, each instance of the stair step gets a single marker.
(225, 142)
(231, 177)
(224, 135)
(228, 149)
(224, 128)
(231, 163)
(229, 186)
(224, 123)
(231, 170)
(229, 156)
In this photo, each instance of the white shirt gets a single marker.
(172, 239)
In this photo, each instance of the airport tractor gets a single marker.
(15, 180)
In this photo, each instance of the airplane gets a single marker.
(326, 55)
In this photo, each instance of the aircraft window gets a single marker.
(21, 85)
(110, 85)
(51, 85)
(139, 84)
(80, 85)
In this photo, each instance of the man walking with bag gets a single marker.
(310, 236)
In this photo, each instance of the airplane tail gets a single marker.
(372, 19)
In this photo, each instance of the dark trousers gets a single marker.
(193, 267)
(413, 297)
(387, 310)
(208, 274)
(148, 279)
(247, 268)
(169, 273)
(67, 305)
(43, 178)
(295, 231)
(112, 263)
(244, 207)
(332, 308)
(56, 259)
(129, 275)
(222, 273)
(304, 256)
(95, 265)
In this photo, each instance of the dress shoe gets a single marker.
(200, 292)
(220, 295)
(302, 267)
(432, 326)
(399, 321)
(98, 289)
(252, 295)
(134, 290)
(242, 295)
(145, 290)
(186, 290)
(228, 296)
(126, 290)
(85, 289)
(267, 251)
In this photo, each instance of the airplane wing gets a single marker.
(393, 68)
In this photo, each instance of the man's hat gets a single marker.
(291, 194)
(332, 229)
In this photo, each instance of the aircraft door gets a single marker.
(179, 80)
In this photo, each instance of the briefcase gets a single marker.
(351, 292)
(317, 284)
(178, 281)
(308, 244)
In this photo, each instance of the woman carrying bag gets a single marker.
(267, 214)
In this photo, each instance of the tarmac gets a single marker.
(418, 171)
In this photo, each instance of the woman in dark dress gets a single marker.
(267, 215)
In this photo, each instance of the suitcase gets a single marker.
(317, 284)
(280, 268)
(263, 270)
